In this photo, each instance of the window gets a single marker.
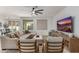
(28, 24)
(41, 24)
(13, 25)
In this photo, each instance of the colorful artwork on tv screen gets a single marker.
(65, 25)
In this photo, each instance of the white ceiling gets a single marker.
(25, 11)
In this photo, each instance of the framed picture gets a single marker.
(65, 24)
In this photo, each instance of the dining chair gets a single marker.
(27, 46)
(53, 45)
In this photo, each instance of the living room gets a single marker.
(40, 21)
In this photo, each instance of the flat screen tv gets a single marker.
(65, 25)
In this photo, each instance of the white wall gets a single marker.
(68, 11)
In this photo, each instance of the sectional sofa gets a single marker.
(9, 41)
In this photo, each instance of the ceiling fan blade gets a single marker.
(40, 10)
(36, 13)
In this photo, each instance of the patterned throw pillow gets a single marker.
(17, 35)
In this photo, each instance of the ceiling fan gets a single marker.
(36, 10)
